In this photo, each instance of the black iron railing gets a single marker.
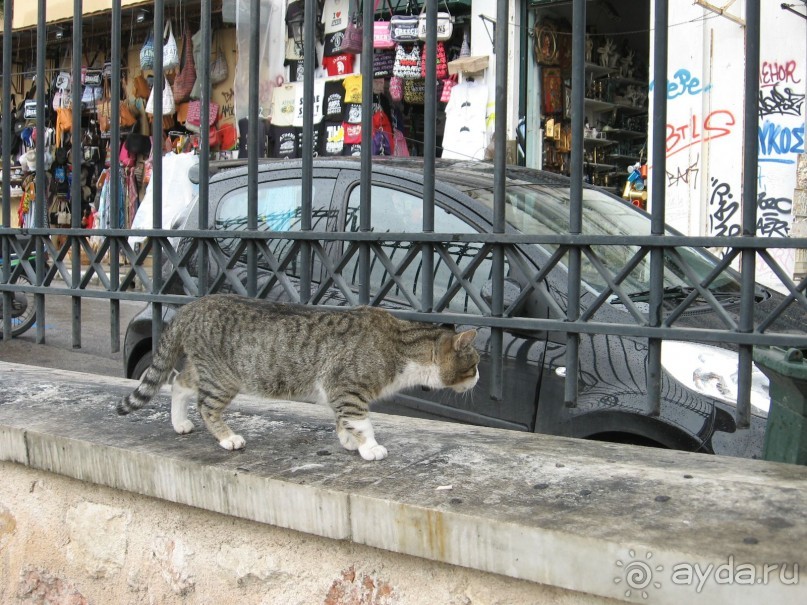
(51, 273)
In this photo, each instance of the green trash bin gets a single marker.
(786, 431)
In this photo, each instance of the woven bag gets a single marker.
(170, 50)
(218, 66)
(169, 107)
(186, 78)
(147, 53)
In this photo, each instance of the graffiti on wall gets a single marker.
(228, 108)
(695, 131)
(723, 209)
(684, 83)
(772, 73)
(780, 143)
(773, 101)
(773, 215)
(686, 175)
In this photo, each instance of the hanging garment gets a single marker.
(464, 136)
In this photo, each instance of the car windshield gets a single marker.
(544, 210)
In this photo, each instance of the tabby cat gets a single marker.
(346, 358)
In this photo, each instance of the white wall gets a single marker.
(481, 44)
(704, 123)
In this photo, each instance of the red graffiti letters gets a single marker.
(773, 72)
(717, 124)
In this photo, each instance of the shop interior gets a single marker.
(616, 99)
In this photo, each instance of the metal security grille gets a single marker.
(365, 251)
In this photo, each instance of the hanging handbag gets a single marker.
(91, 95)
(414, 91)
(186, 78)
(441, 70)
(399, 146)
(396, 88)
(445, 24)
(352, 42)
(193, 120)
(170, 50)
(64, 217)
(104, 109)
(381, 30)
(448, 84)
(403, 28)
(147, 53)
(383, 62)
(93, 77)
(169, 107)
(128, 116)
(407, 62)
(29, 109)
(141, 87)
(218, 66)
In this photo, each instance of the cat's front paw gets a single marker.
(184, 427)
(233, 442)
(373, 451)
(347, 440)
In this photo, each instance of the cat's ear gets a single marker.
(464, 339)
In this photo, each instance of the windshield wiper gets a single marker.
(668, 293)
(681, 292)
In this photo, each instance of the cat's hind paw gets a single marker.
(347, 440)
(233, 442)
(373, 451)
(184, 427)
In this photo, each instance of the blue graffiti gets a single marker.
(777, 140)
(684, 83)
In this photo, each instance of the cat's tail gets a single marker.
(168, 352)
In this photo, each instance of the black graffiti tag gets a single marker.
(772, 101)
(687, 176)
(775, 212)
(228, 109)
(722, 209)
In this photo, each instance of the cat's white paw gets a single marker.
(183, 427)
(233, 442)
(373, 451)
(347, 440)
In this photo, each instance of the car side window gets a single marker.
(394, 210)
(279, 209)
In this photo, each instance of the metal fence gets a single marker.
(51, 274)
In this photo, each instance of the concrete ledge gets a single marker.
(615, 521)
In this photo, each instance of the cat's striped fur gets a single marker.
(346, 358)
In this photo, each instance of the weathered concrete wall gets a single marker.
(295, 518)
(64, 541)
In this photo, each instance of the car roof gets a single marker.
(465, 175)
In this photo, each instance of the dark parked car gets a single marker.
(699, 380)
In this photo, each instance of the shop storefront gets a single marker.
(616, 94)
(463, 79)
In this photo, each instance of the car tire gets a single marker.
(141, 366)
(25, 315)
